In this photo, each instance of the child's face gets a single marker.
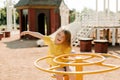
(60, 38)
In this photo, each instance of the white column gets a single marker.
(98, 34)
(108, 7)
(77, 17)
(98, 30)
(96, 5)
(113, 36)
(104, 5)
(9, 15)
(14, 18)
(116, 5)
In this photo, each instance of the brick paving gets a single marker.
(17, 58)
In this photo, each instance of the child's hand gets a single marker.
(24, 33)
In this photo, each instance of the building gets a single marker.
(43, 16)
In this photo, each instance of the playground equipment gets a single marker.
(79, 61)
(86, 24)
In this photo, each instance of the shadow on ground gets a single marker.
(21, 44)
(114, 48)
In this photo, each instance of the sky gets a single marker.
(80, 4)
(2, 2)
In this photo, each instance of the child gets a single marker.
(61, 45)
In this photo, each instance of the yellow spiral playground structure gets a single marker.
(79, 61)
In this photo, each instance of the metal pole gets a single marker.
(66, 77)
(79, 68)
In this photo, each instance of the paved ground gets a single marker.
(17, 57)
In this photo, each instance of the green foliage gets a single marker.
(3, 16)
(72, 15)
(17, 17)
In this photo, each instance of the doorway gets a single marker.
(24, 22)
(42, 25)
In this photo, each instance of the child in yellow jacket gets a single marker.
(61, 45)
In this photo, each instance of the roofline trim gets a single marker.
(36, 6)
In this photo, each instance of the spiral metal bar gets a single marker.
(79, 62)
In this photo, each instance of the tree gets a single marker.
(72, 15)
(17, 17)
(3, 16)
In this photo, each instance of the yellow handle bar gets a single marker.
(60, 64)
